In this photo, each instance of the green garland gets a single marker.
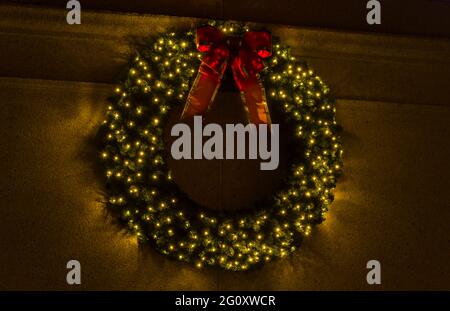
(139, 183)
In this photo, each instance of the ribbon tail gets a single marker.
(254, 98)
(202, 92)
(252, 93)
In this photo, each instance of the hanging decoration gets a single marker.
(185, 69)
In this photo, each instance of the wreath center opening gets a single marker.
(224, 184)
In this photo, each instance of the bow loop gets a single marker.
(207, 36)
(259, 42)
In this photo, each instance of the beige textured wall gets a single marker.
(392, 203)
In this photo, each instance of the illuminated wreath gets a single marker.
(140, 187)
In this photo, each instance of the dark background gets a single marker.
(413, 17)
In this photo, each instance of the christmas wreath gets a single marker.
(139, 184)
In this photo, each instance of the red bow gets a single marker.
(246, 56)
